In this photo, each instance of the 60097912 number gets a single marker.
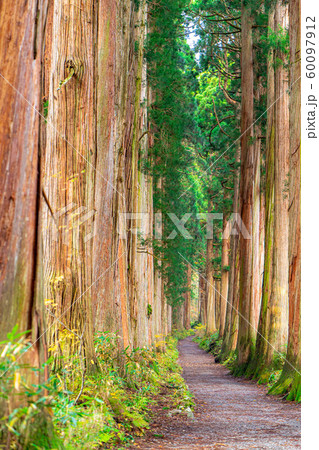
(310, 47)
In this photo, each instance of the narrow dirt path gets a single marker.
(232, 413)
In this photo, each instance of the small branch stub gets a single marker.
(73, 68)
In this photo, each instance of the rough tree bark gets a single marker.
(68, 175)
(178, 317)
(20, 102)
(218, 300)
(273, 318)
(231, 319)
(249, 167)
(279, 307)
(210, 290)
(94, 257)
(262, 338)
(202, 299)
(187, 304)
(21, 40)
(290, 377)
(224, 278)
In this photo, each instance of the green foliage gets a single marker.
(137, 4)
(136, 47)
(45, 107)
(194, 324)
(230, 360)
(276, 41)
(114, 404)
(182, 334)
(125, 392)
(210, 343)
(270, 374)
(149, 310)
(218, 99)
(26, 406)
(173, 163)
(287, 384)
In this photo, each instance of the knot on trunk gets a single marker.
(73, 68)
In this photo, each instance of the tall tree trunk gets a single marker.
(141, 272)
(68, 175)
(202, 299)
(290, 377)
(229, 338)
(169, 319)
(217, 287)
(178, 317)
(91, 179)
(274, 314)
(218, 300)
(187, 304)
(234, 324)
(224, 278)
(210, 290)
(261, 244)
(279, 313)
(256, 256)
(249, 167)
(263, 327)
(21, 42)
(110, 293)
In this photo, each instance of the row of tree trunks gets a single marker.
(70, 261)
(181, 313)
(265, 269)
(122, 264)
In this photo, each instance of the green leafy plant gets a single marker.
(26, 404)
(45, 107)
(277, 41)
(149, 310)
(113, 407)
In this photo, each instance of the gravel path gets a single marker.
(231, 413)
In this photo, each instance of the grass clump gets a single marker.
(209, 342)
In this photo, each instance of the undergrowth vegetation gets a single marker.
(104, 408)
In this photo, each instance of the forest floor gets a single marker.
(232, 413)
